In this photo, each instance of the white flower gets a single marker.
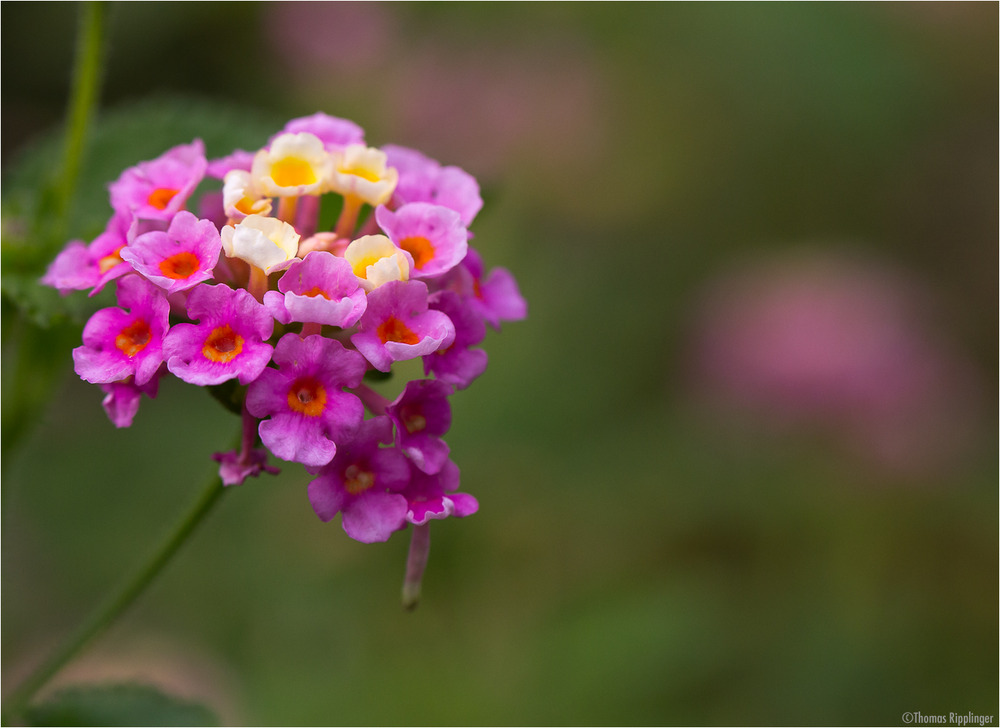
(265, 242)
(376, 260)
(239, 198)
(294, 164)
(361, 171)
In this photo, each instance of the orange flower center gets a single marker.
(316, 291)
(307, 396)
(133, 338)
(109, 261)
(245, 205)
(357, 480)
(420, 248)
(161, 197)
(180, 265)
(392, 329)
(222, 345)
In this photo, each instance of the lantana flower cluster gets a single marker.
(225, 279)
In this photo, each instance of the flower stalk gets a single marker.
(115, 606)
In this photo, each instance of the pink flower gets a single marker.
(157, 189)
(362, 483)
(422, 416)
(230, 341)
(397, 325)
(422, 179)
(457, 364)
(432, 234)
(239, 159)
(494, 298)
(118, 344)
(433, 497)
(121, 400)
(335, 133)
(304, 400)
(841, 346)
(80, 266)
(321, 288)
(179, 258)
(235, 467)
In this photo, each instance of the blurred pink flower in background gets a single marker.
(844, 347)
(541, 104)
(329, 37)
(492, 107)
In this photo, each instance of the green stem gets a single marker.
(83, 101)
(18, 700)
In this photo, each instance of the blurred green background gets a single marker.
(739, 464)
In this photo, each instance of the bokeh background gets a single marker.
(738, 466)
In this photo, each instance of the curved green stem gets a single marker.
(18, 700)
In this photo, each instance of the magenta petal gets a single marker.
(326, 497)
(428, 454)
(440, 227)
(405, 303)
(196, 241)
(374, 517)
(502, 298)
(71, 270)
(321, 288)
(121, 401)
(233, 470)
(311, 375)
(233, 315)
(334, 132)
(422, 511)
(422, 179)
(157, 189)
(465, 504)
(296, 437)
(118, 344)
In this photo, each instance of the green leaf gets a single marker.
(117, 705)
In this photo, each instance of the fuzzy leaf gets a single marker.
(117, 705)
